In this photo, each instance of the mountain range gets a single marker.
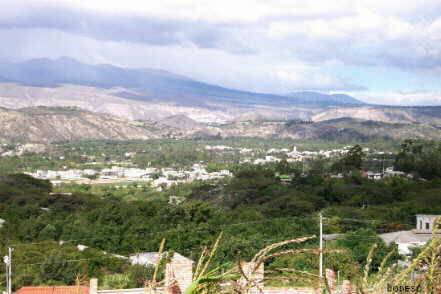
(57, 124)
(150, 84)
(110, 102)
(53, 124)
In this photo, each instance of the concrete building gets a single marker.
(179, 270)
(418, 237)
(267, 159)
(374, 175)
(151, 258)
(390, 172)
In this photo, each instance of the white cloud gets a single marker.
(353, 32)
(261, 73)
(411, 98)
(262, 45)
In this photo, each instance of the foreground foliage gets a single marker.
(253, 210)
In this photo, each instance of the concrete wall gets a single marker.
(178, 275)
(331, 280)
(93, 289)
(131, 291)
(423, 221)
(254, 277)
(289, 291)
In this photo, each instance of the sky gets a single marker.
(380, 51)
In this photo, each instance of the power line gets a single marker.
(155, 233)
(76, 260)
(367, 220)
(321, 248)
(164, 233)
(113, 256)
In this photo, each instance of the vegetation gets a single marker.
(353, 160)
(421, 158)
(258, 207)
(156, 153)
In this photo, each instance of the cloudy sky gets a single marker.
(382, 51)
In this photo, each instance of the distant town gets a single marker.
(160, 178)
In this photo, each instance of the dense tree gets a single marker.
(420, 158)
(360, 242)
(56, 268)
(352, 160)
(253, 209)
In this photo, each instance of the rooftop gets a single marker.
(151, 258)
(54, 290)
(401, 237)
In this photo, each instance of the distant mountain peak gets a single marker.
(181, 121)
(154, 85)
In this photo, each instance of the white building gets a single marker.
(89, 172)
(161, 181)
(152, 258)
(276, 150)
(137, 173)
(374, 175)
(267, 159)
(71, 174)
(294, 153)
(390, 172)
(425, 223)
(245, 150)
(406, 240)
(218, 148)
(113, 172)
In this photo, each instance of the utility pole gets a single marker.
(321, 248)
(382, 165)
(8, 263)
(10, 270)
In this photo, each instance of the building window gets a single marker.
(427, 226)
(421, 225)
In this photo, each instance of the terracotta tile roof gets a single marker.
(54, 290)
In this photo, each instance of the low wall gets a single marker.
(288, 291)
(130, 291)
(93, 289)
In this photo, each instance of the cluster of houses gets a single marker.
(297, 156)
(224, 148)
(158, 178)
(275, 154)
(166, 177)
(20, 149)
(376, 176)
(388, 172)
(58, 176)
(197, 172)
(300, 156)
(293, 155)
